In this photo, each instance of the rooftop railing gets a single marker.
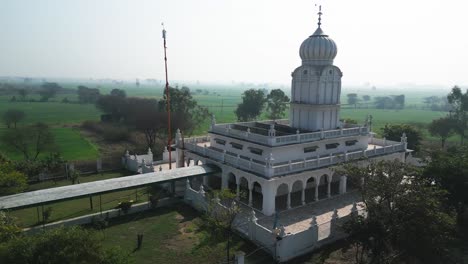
(269, 168)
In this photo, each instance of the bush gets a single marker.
(125, 206)
(115, 134)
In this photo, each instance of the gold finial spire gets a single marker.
(320, 16)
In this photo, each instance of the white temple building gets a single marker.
(276, 166)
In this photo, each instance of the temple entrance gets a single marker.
(281, 199)
(296, 194)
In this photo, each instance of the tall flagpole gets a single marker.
(169, 140)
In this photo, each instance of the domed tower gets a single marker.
(316, 85)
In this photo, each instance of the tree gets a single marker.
(276, 104)
(48, 90)
(395, 131)
(11, 181)
(442, 128)
(8, 228)
(398, 101)
(60, 245)
(220, 215)
(366, 99)
(252, 104)
(459, 102)
(186, 114)
(30, 141)
(448, 169)
(405, 214)
(112, 105)
(23, 92)
(13, 116)
(119, 93)
(353, 99)
(87, 95)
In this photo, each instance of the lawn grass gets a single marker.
(70, 144)
(172, 235)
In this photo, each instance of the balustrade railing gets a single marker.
(281, 168)
(227, 130)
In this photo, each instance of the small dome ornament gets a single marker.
(318, 49)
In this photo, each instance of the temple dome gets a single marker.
(318, 49)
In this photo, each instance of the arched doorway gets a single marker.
(323, 187)
(310, 190)
(335, 184)
(257, 196)
(232, 184)
(296, 194)
(244, 190)
(281, 199)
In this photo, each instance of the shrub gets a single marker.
(115, 134)
(125, 206)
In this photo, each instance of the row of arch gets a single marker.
(251, 191)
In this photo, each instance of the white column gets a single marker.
(303, 196)
(237, 191)
(316, 192)
(288, 206)
(269, 194)
(250, 196)
(329, 189)
(343, 182)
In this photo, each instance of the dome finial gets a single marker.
(320, 16)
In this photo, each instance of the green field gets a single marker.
(70, 144)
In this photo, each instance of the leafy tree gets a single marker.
(442, 128)
(30, 141)
(118, 92)
(276, 104)
(366, 99)
(186, 114)
(405, 214)
(11, 181)
(252, 104)
(459, 102)
(220, 215)
(395, 131)
(448, 169)
(383, 102)
(23, 92)
(88, 95)
(48, 90)
(398, 101)
(353, 99)
(61, 245)
(13, 116)
(8, 228)
(112, 105)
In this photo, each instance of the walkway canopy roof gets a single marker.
(45, 196)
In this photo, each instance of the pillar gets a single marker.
(250, 195)
(288, 204)
(269, 194)
(343, 182)
(303, 196)
(329, 189)
(240, 256)
(205, 180)
(316, 192)
(237, 191)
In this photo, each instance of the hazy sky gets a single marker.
(380, 42)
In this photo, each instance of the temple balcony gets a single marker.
(278, 133)
(268, 168)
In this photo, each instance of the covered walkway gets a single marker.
(41, 197)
